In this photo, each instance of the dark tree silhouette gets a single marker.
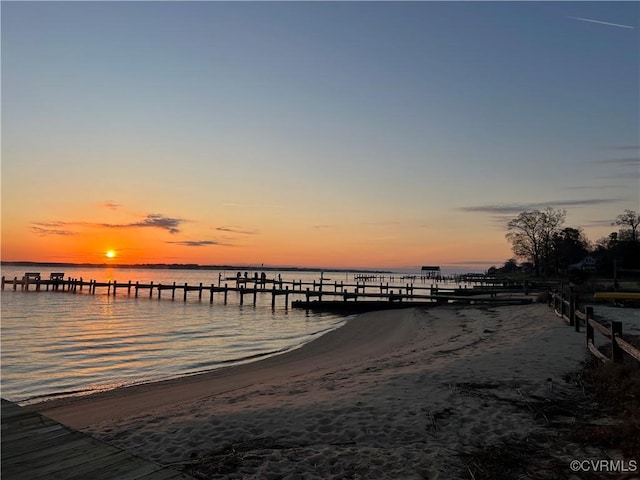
(531, 234)
(630, 219)
(570, 245)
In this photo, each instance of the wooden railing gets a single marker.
(569, 311)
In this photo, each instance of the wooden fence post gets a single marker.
(589, 326)
(572, 311)
(616, 351)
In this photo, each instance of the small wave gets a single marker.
(246, 358)
(55, 395)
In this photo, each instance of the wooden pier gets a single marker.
(35, 447)
(364, 290)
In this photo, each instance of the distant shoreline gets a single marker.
(187, 266)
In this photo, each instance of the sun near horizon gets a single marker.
(110, 254)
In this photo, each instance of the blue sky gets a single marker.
(382, 133)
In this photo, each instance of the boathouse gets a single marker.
(431, 272)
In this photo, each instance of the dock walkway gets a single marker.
(36, 447)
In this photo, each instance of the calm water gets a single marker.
(58, 344)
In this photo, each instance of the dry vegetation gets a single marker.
(600, 419)
(616, 390)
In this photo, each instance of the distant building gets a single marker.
(587, 264)
(431, 272)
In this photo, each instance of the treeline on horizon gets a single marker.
(548, 248)
(186, 266)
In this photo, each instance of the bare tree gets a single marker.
(632, 220)
(531, 234)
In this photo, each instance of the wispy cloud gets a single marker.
(601, 22)
(622, 175)
(592, 187)
(627, 147)
(153, 220)
(110, 205)
(51, 228)
(619, 162)
(599, 223)
(195, 243)
(520, 207)
(238, 230)
(627, 168)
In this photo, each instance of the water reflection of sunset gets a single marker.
(73, 343)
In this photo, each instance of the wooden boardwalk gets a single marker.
(36, 447)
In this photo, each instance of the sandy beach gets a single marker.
(393, 394)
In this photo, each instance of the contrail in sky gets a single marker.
(603, 23)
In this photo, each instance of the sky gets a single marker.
(315, 134)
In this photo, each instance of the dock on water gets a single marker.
(35, 447)
(362, 290)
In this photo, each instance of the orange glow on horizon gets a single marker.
(288, 245)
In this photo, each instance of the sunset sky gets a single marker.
(366, 134)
